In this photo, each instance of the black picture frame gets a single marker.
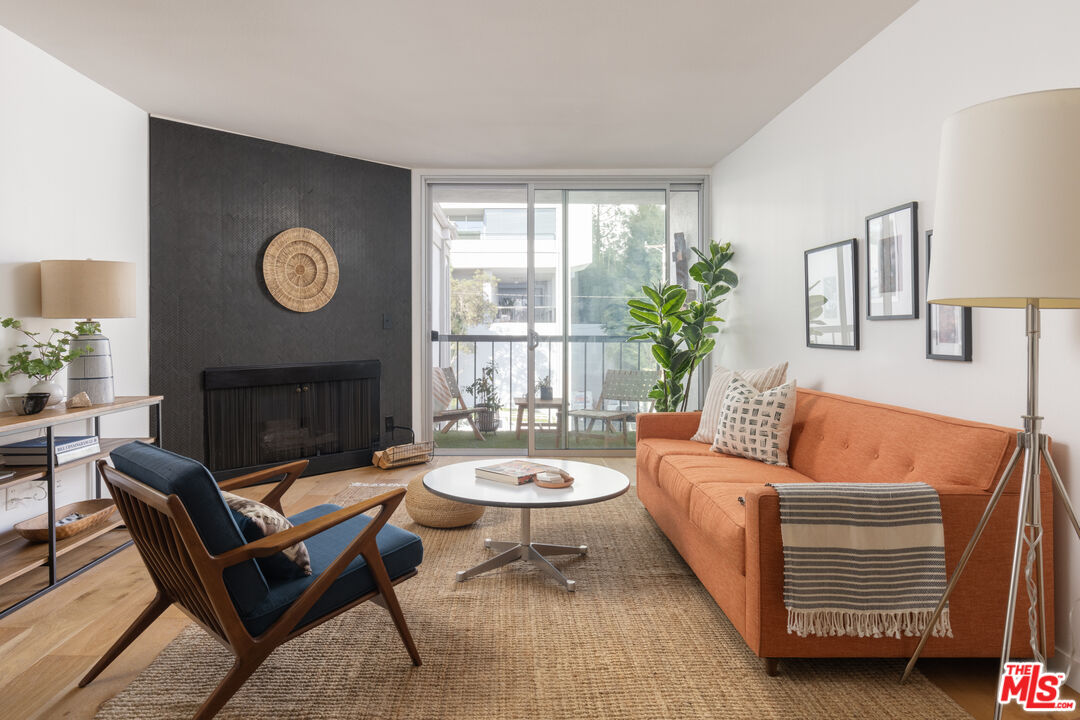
(833, 268)
(960, 317)
(892, 263)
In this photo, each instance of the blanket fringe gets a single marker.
(866, 623)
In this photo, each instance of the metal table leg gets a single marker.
(527, 551)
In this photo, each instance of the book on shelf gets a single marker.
(513, 472)
(77, 453)
(38, 445)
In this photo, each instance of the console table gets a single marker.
(19, 557)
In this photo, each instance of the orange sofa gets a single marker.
(736, 551)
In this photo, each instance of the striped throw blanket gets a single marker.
(862, 559)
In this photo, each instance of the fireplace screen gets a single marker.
(326, 412)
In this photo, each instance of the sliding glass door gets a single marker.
(528, 287)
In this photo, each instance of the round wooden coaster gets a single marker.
(300, 269)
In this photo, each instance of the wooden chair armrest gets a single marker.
(277, 542)
(291, 471)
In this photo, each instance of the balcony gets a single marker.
(590, 358)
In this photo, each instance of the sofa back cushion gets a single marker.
(172, 474)
(843, 439)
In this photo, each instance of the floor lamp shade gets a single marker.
(1007, 214)
(89, 289)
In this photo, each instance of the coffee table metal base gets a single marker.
(528, 551)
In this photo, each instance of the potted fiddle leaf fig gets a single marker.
(485, 392)
(682, 333)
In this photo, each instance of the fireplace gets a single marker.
(265, 415)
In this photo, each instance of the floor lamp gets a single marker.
(1007, 235)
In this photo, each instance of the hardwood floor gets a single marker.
(46, 647)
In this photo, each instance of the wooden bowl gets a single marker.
(97, 512)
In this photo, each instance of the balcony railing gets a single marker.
(590, 357)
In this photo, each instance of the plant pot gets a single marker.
(487, 420)
(546, 393)
(56, 393)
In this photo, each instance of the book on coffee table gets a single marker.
(513, 472)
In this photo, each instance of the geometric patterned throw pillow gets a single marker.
(265, 520)
(756, 424)
(761, 379)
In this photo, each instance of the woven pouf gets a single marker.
(430, 510)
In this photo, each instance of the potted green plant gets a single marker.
(681, 332)
(543, 388)
(485, 393)
(41, 358)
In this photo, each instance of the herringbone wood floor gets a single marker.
(46, 647)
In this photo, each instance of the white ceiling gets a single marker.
(464, 83)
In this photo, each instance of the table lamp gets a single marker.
(1007, 235)
(90, 290)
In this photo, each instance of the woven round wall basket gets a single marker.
(300, 269)
(430, 510)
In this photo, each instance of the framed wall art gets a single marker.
(948, 327)
(892, 262)
(832, 296)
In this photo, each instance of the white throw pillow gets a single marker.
(756, 424)
(760, 379)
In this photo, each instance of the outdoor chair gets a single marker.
(445, 396)
(620, 388)
(198, 559)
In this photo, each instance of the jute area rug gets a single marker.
(640, 638)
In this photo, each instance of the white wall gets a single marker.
(865, 139)
(73, 185)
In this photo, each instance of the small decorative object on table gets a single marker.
(554, 479)
(543, 388)
(28, 403)
(72, 519)
(81, 400)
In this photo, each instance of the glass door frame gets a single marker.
(532, 183)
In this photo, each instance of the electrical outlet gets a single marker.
(25, 494)
(387, 321)
(389, 423)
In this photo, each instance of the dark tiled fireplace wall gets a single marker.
(216, 201)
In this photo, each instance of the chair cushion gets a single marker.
(172, 474)
(401, 551)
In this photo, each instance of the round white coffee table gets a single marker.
(592, 484)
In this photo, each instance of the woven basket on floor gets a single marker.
(430, 510)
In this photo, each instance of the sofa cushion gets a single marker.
(401, 551)
(679, 474)
(843, 439)
(715, 509)
(172, 474)
(650, 452)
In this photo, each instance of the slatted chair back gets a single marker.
(452, 383)
(623, 386)
(174, 554)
